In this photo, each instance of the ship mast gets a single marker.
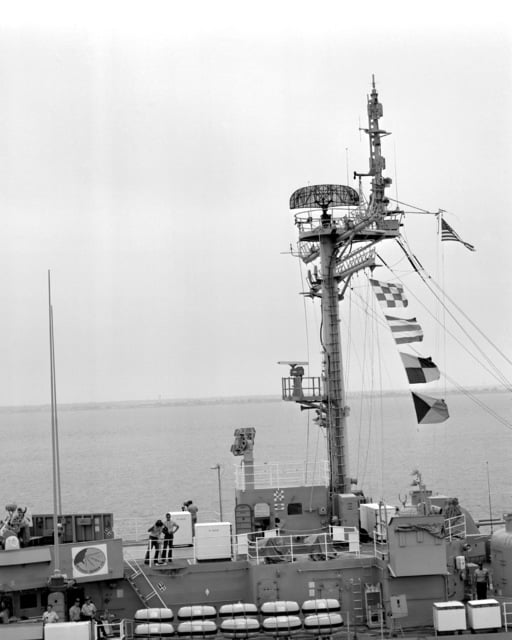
(337, 235)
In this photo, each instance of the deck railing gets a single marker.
(261, 547)
(133, 530)
(455, 527)
(289, 474)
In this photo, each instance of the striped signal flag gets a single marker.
(405, 330)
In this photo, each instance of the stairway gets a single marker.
(142, 585)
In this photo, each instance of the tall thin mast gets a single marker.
(341, 233)
(57, 507)
(334, 391)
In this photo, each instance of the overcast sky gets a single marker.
(148, 152)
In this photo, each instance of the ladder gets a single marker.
(357, 602)
(141, 584)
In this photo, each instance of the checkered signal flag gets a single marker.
(389, 294)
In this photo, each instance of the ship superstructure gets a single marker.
(301, 543)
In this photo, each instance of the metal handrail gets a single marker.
(507, 614)
(455, 527)
(287, 474)
(313, 544)
(135, 529)
(138, 570)
(289, 548)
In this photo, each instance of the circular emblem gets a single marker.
(90, 560)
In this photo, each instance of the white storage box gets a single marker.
(67, 630)
(374, 519)
(213, 541)
(484, 614)
(182, 537)
(449, 616)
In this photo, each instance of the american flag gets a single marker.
(447, 234)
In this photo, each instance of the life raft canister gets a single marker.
(197, 612)
(197, 628)
(154, 630)
(282, 625)
(238, 609)
(319, 623)
(320, 605)
(239, 627)
(154, 614)
(278, 607)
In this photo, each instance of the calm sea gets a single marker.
(140, 461)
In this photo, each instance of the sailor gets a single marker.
(154, 541)
(192, 509)
(297, 373)
(481, 577)
(74, 611)
(170, 528)
(50, 615)
(4, 613)
(88, 609)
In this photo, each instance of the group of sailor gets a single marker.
(161, 535)
(87, 611)
(15, 527)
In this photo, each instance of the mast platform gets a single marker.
(311, 229)
(302, 389)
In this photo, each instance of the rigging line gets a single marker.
(491, 368)
(347, 350)
(306, 325)
(498, 350)
(414, 262)
(364, 307)
(304, 309)
(426, 278)
(381, 407)
(462, 389)
(472, 396)
(461, 311)
(420, 209)
(396, 172)
(441, 335)
(480, 403)
(364, 463)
